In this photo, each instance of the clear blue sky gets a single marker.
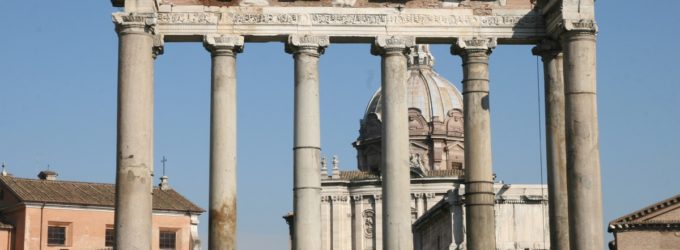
(58, 64)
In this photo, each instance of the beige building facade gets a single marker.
(46, 213)
(655, 227)
(352, 201)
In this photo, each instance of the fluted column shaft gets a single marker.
(555, 143)
(395, 142)
(479, 195)
(222, 218)
(583, 153)
(134, 150)
(307, 143)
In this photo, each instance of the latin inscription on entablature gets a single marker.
(358, 3)
(345, 19)
(188, 18)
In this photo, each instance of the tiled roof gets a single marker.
(357, 175)
(445, 173)
(361, 175)
(644, 218)
(87, 193)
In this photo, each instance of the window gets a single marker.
(109, 238)
(56, 235)
(167, 240)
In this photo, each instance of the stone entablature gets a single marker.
(482, 5)
(261, 24)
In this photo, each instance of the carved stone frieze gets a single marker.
(369, 223)
(337, 198)
(198, 18)
(273, 21)
(455, 123)
(259, 18)
(189, 18)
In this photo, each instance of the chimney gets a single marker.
(48, 175)
(164, 185)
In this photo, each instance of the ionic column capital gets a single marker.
(465, 46)
(386, 45)
(135, 23)
(228, 45)
(583, 26)
(308, 44)
(547, 49)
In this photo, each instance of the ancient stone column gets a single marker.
(479, 196)
(583, 150)
(396, 180)
(222, 218)
(551, 54)
(307, 143)
(134, 154)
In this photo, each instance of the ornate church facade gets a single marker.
(351, 209)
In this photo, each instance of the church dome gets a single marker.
(430, 93)
(435, 116)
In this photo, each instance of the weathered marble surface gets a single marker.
(190, 23)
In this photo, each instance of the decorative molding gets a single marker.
(357, 197)
(476, 43)
(369, 223)
(195, 18)
(336, 198)
(134, 22)
(392, 44)
(581, 25)
(312, 44)
(158, 46)
(228, 44)
(272, 22)
(547, 48)
(198, 18)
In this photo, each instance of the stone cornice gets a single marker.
(645, 226)
(223, 44)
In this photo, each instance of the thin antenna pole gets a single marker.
(164, 160)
